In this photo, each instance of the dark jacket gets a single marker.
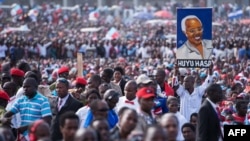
(208, 126)
(122, 85)
(71, 105)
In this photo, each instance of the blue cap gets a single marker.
(203, 74)
(171, 66)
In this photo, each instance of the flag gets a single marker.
(112, 34)
(58, 9)
(22, 28)
(175, 81)
(16, 10)
(33, 13)
(94, 15)
(235, 15)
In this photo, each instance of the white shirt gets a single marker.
(83, 48)
(230, 53)
(182, 120)
(122, 103)
(107, 48)
(3, 49)
(16, 119)
(191, 103)
(43, 49)
(63, 101)
(19, 93)
(82, 114)
(145, 52)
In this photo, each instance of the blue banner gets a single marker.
(235, 15)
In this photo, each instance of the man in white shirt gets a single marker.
(43, 48)
(145, 51)
(3, 49)
(191, 97)
(129, 99)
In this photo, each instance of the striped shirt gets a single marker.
(31, 109)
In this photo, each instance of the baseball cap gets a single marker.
(143, 79)
(145, 93)
(110, 94)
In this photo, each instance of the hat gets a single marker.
(16, 72)
(203, 75)
(4, 95)
(63, 69)
(170, 66)
(145, 93)
(143, 79)
(80, 80)
(110, 94)
(183, 71)
(237, 77)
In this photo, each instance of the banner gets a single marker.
(194, 37)
(16, 10)
(94, 15)
(235, 15)
(112, 34)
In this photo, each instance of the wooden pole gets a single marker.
(79, 65)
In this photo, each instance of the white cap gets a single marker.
(143, 79)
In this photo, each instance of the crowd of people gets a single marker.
(130, 87)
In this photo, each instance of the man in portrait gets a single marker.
(195, 47)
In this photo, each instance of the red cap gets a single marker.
(80, 80)
(63, 69)
(145, 93)
(4, 95)
(237, 77)
(16, 72)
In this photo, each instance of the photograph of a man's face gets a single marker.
(193, 30)
(194, 34)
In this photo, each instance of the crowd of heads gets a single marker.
(137, 70)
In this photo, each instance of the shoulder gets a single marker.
(122, 98)
(114, 133)
(207, 41)
(205, 106)
(123, 81)
(113, 84)
(83, 110)
(182, 49)
(41, 97)
(208, 44)
(75, 101)
(181, 117)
